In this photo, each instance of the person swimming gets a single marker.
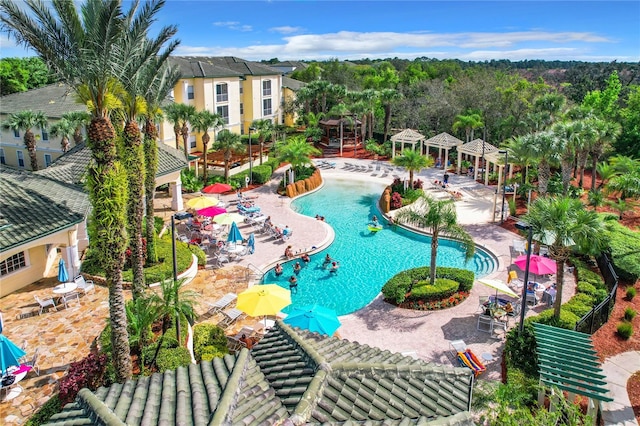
(278, 270)
(293, 284)
(297, 268)
(334, 268)
(327, 261)
(305, 258)
(374, 220)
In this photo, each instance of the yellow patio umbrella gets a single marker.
(228, 218)
(201, 202)
(266, 299)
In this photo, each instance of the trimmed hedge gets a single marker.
(170, 359)
(398, 286)
(209, 341)
(442, 288)
(261, 174)
(624, 245)
(567, 318)
(48, 409)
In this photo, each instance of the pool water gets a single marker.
(367, 260)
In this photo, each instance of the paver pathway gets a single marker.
(618, 369)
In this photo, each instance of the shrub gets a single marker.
(567, 319)
(398, 286)
(624, 245)
(237, 181)
(48, 409)
(520, 350)
(261, 174)
(631, 293)
(170, 359)
(579, 305)
(512, 206)
(87, 373)
(411, 195)
(625, 330)
(210, 352)
(169, 342)
(210, 339)
(441, 289)
(200, 254)
(396, 200)
(629, 314)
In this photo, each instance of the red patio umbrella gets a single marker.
(217, 188)
(538, 265)
(212, 211)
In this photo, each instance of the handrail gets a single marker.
(259, 273)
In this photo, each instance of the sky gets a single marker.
(591, 31)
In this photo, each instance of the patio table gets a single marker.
(21, 374)
(64, 288)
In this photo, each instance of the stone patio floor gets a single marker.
(68, 335)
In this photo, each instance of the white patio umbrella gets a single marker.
(499, 287)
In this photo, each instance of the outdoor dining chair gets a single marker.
(69, 297)
(33, 363)
(85, 285)
(45, 304)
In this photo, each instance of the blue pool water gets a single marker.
(367, 260)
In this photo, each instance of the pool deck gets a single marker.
(67, 335)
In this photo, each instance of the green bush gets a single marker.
(210, 339)
(238, 181)
(520, 350)
(200, 254)
(261, 174)
(441, 289)
(629, 314)
(48, 409)
(567, 319)
(398, 286)
(631, 293)
(625, 330)
(577, 305)
(598, 294)
(168, 342)
(624, 246)
(208, 353)
(273, 163)
(170, 359)
(412, 195)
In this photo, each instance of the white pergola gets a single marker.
(475, 149)
(498, 159)
(444, 142)
(404, 137)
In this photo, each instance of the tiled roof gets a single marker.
(53, 100)
(71, 166)
(408, 136)
(293, 84)
(34, 206)
(292, 377)
(475, 147)
(444, 140)
(220, 66)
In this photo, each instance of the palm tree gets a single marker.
(161, 81)
(412, 161)
(24, 121)
(606, 133)
(388, 97)
(228, 143)
(264, 128)
(80, 120)
(627, 183)
(141, 314)
(569, 142)
(563, 223)
(187, 113)
(621, 206)
(297, 152)
(439, 217)
(544, 150)
(606, 172)
(84, 49)
(520, 153)
(172, 113)
(63, 129)
(202, 122)
(469, 123)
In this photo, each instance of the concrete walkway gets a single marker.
(618, 369)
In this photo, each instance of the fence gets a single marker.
(599, 315)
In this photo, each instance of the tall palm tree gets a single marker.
(520, 154)
(469, 123)
(564, 223)
(202, 122)
(606, 133)
(161, 81)
(228, 143)
(264, 127)
(24, 121)
(80, 119)
(412, 161)
(569, 140)
(544, 150)
(439, 217)
(388, 97)
(187, 113)
(297, 152)
(64, 129)
(84, 49)
(173, 114)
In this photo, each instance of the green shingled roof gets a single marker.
(291, 377)
(34, 206)
(220, 66)
(53, 100)
(72, 165)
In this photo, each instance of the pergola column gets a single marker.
(500, 176)
(475, 167)
(176, 195)
(458, 163)
(393, 149)
(446, 158)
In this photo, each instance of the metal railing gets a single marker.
(599, 315)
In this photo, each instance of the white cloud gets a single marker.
(285, 29)
(233, 25)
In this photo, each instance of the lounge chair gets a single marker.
(85, 285)
(230, 316)
(222, 303)
(45, 304)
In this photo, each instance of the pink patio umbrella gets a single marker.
(538, 265)
(212, 211)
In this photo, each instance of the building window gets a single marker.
(20, 159)
(2, 159)
(192, 142)
(223, 111)
(266, 107)
(47, 160)
(241, 88)
(13, 263)
(241, 108)
(190, 93)
(45, 135)
(266, 88)
(16, 133)
(222, 92)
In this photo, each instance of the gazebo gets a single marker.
(443, 141)
(476, 148)
(404, 137)
(335, 135)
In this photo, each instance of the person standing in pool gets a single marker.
(327, 261)
(297, 268)
(278, 269)
(305, 258)
(293, 284)
(334, 268)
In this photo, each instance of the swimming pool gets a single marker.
(367, 260)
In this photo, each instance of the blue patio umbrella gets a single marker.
(9, 354)
(234, 234)
(63, 275)
(251, 243)
(314, 318)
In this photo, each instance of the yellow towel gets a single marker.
(513, 275)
